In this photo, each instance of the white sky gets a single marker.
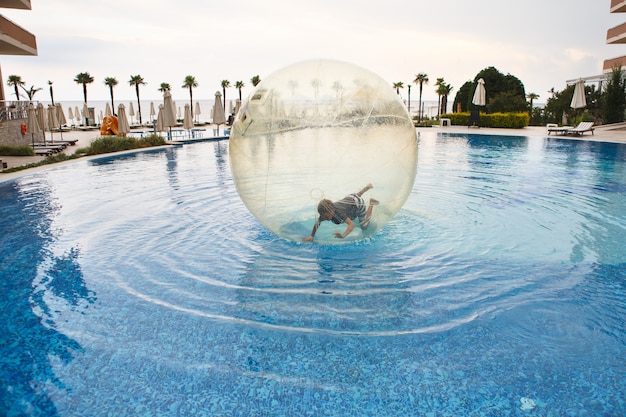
(542, 42)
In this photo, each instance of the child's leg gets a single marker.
(368, 214)
(367, 187)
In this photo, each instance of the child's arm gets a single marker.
(315, 226)
(350, 227)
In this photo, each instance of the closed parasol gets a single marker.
(197, 112)
(578, 99)
(60, 118)
(480, 95)
(53, 122)
(169, 119)
(218, 111)
(123, 127)
(159, 121)
(42, 118)
(32, 125)
(187, 119)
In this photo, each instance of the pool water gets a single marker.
(139, 284)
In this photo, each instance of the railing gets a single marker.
(14, 110)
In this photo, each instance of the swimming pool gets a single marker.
(139, 285)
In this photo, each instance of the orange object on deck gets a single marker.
(109, 126)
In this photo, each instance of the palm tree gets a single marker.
(438, 84)
(239, 85)
(190, 83)
(31, 92)
(225, 85)
(84, 78)
(51, 92)
(532, 97)
(16, 81)
(137, 80)
(111, 82)
(444, 90)
(398, 86)
(420, 79)
(165, 87)
(255, 80)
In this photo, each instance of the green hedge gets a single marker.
(505, 120)
(107, 144)
(12, 150)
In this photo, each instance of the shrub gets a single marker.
(502, 120)
(12, 150)
(108, 144)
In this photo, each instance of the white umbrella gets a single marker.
(86, 114)
(169, 119)
(480, 95)
(107, 110)
(160, 127)
(578, 99)
(70, 113)
(237, 106)
(42, 118)
(218, 111)
(53, 122)
(187, 120)
(197, 111)
(60, 118)
(152, 111)
(131, 111)
(32, 125)
(123, 127)
(77, 115)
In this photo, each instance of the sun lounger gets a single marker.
(581, 129)
(70, 142)
(562, 130)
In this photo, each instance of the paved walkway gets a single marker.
(609, 133)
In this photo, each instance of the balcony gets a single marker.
(14, 40)
(618, 6)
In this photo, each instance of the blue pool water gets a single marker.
(139, 285)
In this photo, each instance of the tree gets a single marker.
(137, 80)
(398, 85)
(30, 93)
(84, 78)
(225, 85)
(532, 97)
(255, 80)
(443, 90)
(190, 83)
(440, 82)
(420, 79)
(495, 83)
(239, 85)
(111, 82)
(165, 87)
(15, 81)
(614, 98)
(51, 92)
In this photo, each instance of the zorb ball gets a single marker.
(321, 130)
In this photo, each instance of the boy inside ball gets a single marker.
(345, 211)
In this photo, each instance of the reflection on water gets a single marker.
(142, 285)
(28, 269)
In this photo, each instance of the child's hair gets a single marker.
(325, 207)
